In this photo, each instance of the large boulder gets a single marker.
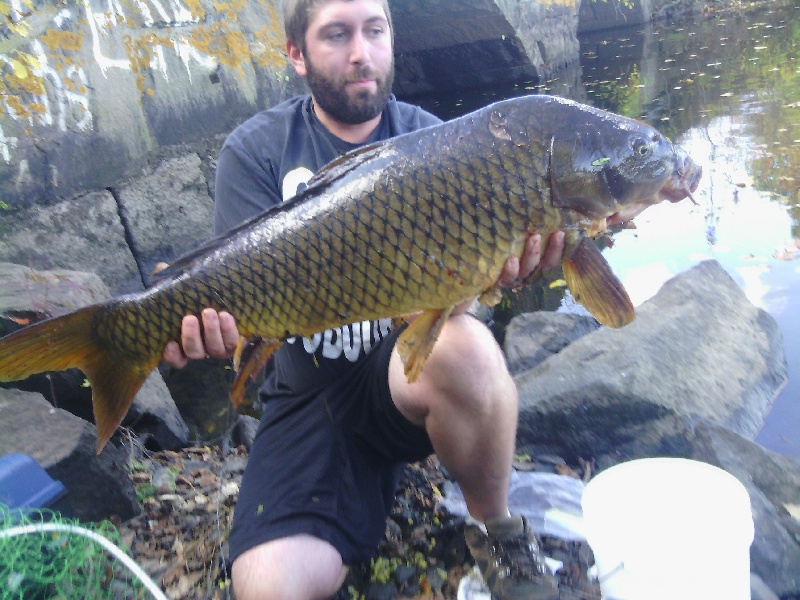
(98, 486)
(26, 296)
(120, 234)
(532, 338)
(84, 234)
(167, 211)
(773, 483)
(697, 351)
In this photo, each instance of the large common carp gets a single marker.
(415, 224)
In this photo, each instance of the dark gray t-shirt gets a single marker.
(267, 160)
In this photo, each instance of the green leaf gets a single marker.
(600, 162)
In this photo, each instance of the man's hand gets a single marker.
(218, 338)
(516, 270)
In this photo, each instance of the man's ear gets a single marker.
(296, 58)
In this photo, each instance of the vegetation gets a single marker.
(59, 564)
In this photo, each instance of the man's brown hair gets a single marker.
(297, 15)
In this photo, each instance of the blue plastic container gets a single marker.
(25, 485)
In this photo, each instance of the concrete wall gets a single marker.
(91, 89)
(462, 44)
(112, 111)
(597, 15)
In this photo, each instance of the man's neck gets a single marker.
(354, 133)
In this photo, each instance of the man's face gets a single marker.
(348, 59)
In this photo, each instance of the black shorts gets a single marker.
(327, 463)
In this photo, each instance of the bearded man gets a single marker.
(340, 418)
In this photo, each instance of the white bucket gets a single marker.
(669, 528)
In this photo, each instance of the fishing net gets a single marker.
(43, 555)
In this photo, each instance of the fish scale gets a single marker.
(416, 224)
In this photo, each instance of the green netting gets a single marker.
(38, 562)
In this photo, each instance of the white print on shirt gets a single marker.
(295, 181)
(348, 339)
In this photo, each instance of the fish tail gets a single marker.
(68, 342)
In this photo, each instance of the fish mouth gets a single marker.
(680, 184)
(684, 179)
(627, 214)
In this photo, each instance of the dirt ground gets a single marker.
(188, 499)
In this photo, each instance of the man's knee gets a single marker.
(291, 568)
(469, 349)
(467, 362)
(466, 371)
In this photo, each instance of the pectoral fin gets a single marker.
(416, 342)
(592, 283)
(248, 360)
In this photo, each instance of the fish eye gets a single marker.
(641, 148)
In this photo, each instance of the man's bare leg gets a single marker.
(467, 401)
(299, 567)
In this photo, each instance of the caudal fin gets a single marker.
(68, 342)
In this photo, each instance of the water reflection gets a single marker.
(727, 89)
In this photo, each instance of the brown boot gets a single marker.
(509, 558)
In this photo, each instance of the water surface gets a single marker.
(727, 89)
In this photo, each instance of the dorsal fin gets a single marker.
(341, 165)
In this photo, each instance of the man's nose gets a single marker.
(359, 50)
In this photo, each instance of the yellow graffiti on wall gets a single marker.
(230, 10)
(29, 59)
(269, 51)
(18, 77)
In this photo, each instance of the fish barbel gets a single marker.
(416, 224)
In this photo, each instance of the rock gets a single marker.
(773, 482)
(381, 591)
(533, 337)
(38, 294)
(244, 431)
(201, 391)
(697, 351)
(167, 212)
(46, 293)
(155, 417)
(84, 234)
(98, 486)
(760, 590)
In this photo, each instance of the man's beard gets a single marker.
(332, 97)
